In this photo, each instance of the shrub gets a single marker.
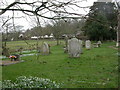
(30, 82)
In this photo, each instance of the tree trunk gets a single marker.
(118, 30)
(101, 38)
(57, 41)
(66, 41)
(0, 43)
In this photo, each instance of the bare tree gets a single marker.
(41, 8)
(58, 9)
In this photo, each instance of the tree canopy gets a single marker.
(102, 21)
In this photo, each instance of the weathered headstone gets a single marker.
(45, 49)
(74, 47)
(117, 44)
(95, 45)
(66, 44)
(88, 44)
(99, 43)
(81, 46)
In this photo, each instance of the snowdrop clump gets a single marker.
(30, 82)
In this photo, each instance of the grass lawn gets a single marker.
(17, 44)
(96, 68)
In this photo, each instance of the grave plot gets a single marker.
(13, 60)
(8, 62)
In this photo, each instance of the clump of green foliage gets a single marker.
(30, 82)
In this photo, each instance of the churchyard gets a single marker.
(93, 68)
(59, 43)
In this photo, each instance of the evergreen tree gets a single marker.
(101, 22)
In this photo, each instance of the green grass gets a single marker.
(94, 68)
(18, 44)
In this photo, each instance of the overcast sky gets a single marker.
(27, 22)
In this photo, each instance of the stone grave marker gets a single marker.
(95, 45)
(81, 46)
(45, 49)
(88, 44)
(99, 43)
(74, 48)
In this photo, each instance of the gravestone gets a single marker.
(66, 44)
(95, 45)
(88, 44)
(117, 44)
(45, 49)
(99, 43)
(81, 46)
(74, 48)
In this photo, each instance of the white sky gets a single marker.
(28, 23)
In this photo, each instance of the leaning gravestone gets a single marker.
(45, 50)
(74, 47)
(88, 44)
